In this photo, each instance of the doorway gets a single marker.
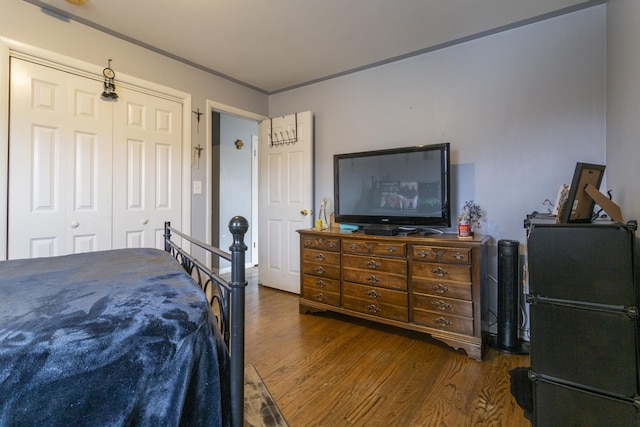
(233, 180)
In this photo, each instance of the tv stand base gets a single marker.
(381, 230)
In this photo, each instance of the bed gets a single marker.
(123, 337)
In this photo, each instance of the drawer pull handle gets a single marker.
(319, 270)
(372, 264)
(372, 293)
(441, 305)
(332, 244)
(391, 249)
(458, 256)
(372, 279)
(320, 297)
(353, 246)
(438, 271)
(422, 254)
(321, 283)
(372, 308)
(321, 257)
(308, 242)
(441, 321)
(440, 288)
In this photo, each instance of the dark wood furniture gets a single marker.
(584, 296)
(430, 284)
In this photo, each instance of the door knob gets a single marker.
(75, 224)
(145, 221)
(304, 212)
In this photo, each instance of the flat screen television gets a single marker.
(394, 189)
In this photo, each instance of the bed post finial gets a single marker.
(238, 226)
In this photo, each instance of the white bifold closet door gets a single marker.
(87, 174)
(146, 169)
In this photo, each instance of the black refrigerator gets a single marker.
(583, 300)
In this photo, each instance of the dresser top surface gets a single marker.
(430, 239)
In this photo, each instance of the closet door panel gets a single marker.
(59, 165)
(147, 168)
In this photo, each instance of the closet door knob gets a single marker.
(145, 221)
(75, 224)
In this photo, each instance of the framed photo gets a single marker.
(579, 205)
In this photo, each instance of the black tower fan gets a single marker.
(508, 298)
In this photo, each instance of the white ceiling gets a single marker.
(274, 45)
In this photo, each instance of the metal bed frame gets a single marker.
(227, 296)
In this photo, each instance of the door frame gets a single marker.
(10, 48)
(254, 198)
(214, 106)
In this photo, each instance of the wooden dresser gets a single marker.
(430, 284)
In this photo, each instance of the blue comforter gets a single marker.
(112, 338)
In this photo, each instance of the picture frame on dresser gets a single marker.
(579, 205)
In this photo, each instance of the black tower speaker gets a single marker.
(508, 298)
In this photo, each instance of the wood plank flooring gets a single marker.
(332, 370)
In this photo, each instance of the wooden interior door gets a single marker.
(147, 164)
(285, 197)
(59, 163)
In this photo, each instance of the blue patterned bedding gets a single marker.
(113, 338)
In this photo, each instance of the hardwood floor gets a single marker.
(331, 370)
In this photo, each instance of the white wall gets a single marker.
(623, 105)
(520, 108)
(25, 23)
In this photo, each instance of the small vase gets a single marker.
(464, 230)
(322, 217)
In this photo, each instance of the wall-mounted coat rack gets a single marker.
(288, 136)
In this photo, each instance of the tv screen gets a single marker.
(401, 186)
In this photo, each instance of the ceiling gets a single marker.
(276, 45)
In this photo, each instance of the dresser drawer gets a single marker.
(440, 254)
(321, 295)
(375, 278)
(326, 243)
(443, 321)
(371, 247)
(321, 270)
(444, 288)
(315, 283)
(375, 301)
(445, 305)
(372, 293)
(323, 257)
(428, 270)
(387, 265)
